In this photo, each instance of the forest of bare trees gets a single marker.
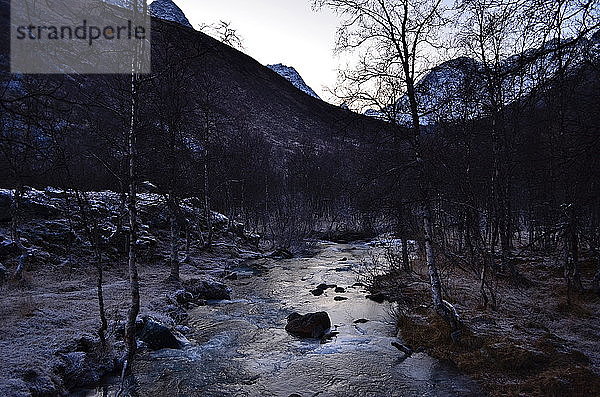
(483, 149)
(482, 156)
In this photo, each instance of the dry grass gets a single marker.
(534, 344)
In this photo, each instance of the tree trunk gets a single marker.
(405, 258)
(207, 203)
(174, 259)
(134, 283)
(443, 308)
(100, 293)
(15, 215)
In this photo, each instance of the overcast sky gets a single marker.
(277, 31)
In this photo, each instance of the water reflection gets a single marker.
(241, 348)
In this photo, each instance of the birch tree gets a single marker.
(397, 41)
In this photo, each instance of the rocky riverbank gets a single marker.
(533, 344)
(49, 313)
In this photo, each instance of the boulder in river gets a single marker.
(280, 253)
(311, 325)
(317, 292)
(377, 297)
(182, 297)
(206, 289)
(158, 336)
(324, 286)
(231, 276)
(340, 290)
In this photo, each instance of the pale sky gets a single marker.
(278, 31)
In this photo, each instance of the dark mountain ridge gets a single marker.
(237, 91)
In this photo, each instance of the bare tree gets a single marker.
(132, 207)
(224, 32)
(398, 39)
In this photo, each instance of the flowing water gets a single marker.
(241, 348)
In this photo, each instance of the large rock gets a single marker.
(84, 369)
(40, 383)
(158, 336)
(83, 362)
(206, 289)
(378, 297)
(280, 253)
(311, 325)
(55, 193)
(9, 248)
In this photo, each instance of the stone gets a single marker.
(158, 336)
(147, 187)
(207, 288)
(324, 286)
(182, 297)
(83, 362)
(317, 292)
(340, 290)
(311, 325)
(185, 330)
(231, 276)
(53, 192)
(343, 268)
(9, 248)
(83, 369)
(280, 253)
(403, 348)
(378, 297)
(340, 298)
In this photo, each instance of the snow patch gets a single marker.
(292, 75)
(169, 11)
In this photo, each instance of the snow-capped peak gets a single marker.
(291, 75)
(169, 11)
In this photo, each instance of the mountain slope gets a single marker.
(242, 98)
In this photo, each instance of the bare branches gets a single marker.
(395, 40)
(224, 32)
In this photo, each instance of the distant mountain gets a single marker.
(457, 87)
(163, 9)
(169, 11)
(292, 75)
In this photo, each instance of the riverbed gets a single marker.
(240, 348)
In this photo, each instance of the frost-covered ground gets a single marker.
(49, 317)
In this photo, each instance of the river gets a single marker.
(240, 347)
